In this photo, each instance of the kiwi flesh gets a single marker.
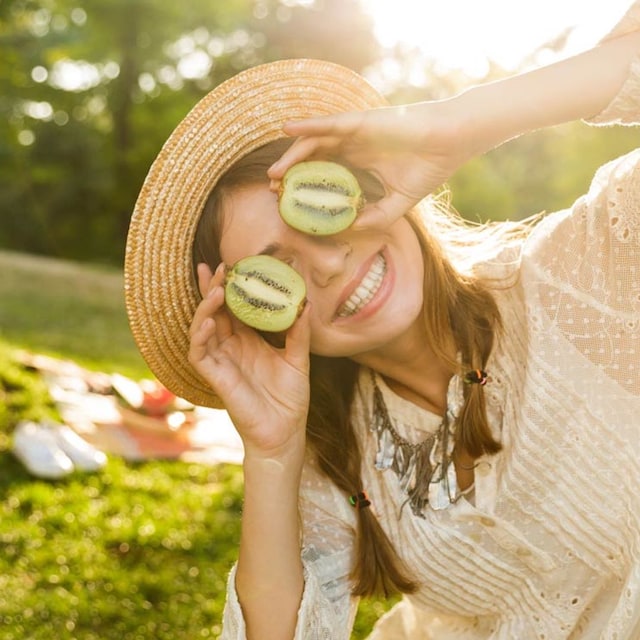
(264, 293)
(319, 197)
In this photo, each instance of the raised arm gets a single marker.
(266, 392)
(579, 87)
(414, 148)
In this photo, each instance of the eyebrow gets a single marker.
(271, 249)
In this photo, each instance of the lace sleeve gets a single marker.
(584, 264)
(328, 609)
(625, 107)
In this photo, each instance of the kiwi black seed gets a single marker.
(264, 293)
(319, 197)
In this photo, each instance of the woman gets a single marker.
(445, 439)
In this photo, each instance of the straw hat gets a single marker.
(235, 118)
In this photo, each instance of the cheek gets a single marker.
(409, 267)
(250, 223)
(324, 341)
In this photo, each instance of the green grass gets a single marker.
(69, 310)
(135, 552)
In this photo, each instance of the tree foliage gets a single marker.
(90, 89)
(544, 171)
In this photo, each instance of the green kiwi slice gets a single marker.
(319, 197)
(264, 293)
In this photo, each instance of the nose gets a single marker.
(326, 257)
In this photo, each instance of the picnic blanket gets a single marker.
(137, 420)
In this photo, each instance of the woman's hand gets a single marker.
(412, 150)
(266, 392)
(264, 389)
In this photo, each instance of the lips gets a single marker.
(366, 290)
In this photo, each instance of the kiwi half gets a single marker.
(319, 197)
(264, 293)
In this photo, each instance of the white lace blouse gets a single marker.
(548, 545)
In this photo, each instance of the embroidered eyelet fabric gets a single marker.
(548, 545)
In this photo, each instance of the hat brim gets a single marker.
(240, 115)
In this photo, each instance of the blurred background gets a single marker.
(89, 91)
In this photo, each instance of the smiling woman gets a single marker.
(466, 34)
(429, 424)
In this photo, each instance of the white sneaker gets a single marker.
(84, 455)
(37, 448)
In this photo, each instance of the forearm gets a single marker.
(576, 88)
(269, 578)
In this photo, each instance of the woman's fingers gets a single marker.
(302, 149)
(211, 288)
(316, 136)
(210, 328)
(223, 320)
(203, 341)
(383, 213)
(207, 280)
(204, 278)
(338, 124)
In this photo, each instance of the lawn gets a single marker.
(62, 308)
(137, 551)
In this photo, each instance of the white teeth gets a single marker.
(367, 288)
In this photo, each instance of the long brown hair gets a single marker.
(460, 309)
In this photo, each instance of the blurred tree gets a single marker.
(90, 89)
(326, 29)
(544, 171)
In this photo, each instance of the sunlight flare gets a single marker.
(465, 34)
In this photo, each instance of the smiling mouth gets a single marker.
(367, 288)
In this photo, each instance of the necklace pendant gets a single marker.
(424, 470)
(405, 468)
(444, 493)
(386, 450)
